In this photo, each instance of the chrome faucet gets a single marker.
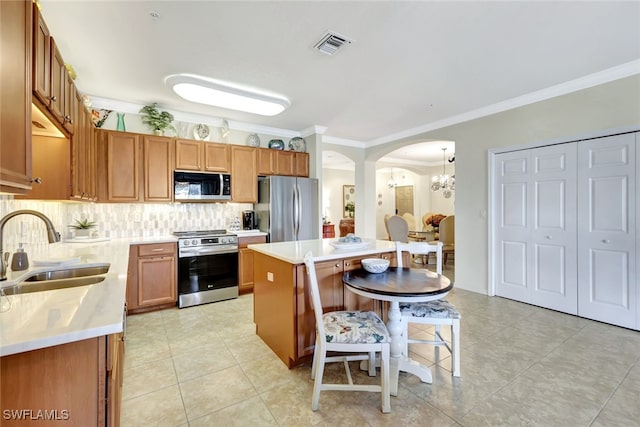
(52, 235)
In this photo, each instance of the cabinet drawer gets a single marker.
(249, 240)
(157, 249)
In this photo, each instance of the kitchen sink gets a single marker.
(69, 273)
(26, 287)
(59, 279)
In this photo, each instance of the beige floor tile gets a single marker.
(215, 391)
(247, 347)
(147, 378)
(250, 412)
(160, 408)
(203, 360)
(623, 409)
(192, 340)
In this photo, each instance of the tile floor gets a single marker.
(521, 366)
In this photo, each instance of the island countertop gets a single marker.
(42, 319)
(294, 252)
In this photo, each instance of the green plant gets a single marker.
(350, 207)
(84, 224)
(156, 119)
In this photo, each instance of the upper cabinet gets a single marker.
(287, 163)
(244, 176)
(15, 96)
(53, 88)
(202, 156)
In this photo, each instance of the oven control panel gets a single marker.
(207, 241)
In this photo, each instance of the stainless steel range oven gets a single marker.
(207, 267)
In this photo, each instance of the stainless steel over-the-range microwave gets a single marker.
(201, 186)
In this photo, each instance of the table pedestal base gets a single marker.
(404, 364)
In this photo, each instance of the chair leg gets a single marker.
(455, 347)
(385, 379)
(317, 384)
(437, 337)
(314, 364)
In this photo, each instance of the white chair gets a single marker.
(360, 332)
(437, 312)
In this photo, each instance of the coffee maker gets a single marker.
(248, 220)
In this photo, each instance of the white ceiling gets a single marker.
(411, 65)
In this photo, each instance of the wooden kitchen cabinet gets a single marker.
(152, 277)
(266, 161)
(51, 166)
(15, 101)
(301, 161)
(244, 183)
(202, 156)
(245, 262)
(83, 156)
(58, 81)
(77, 383)
(158, 169)
(41, 70)
(287, 163)
(118, 167)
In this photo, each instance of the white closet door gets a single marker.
(512, 262)
(606, 230)
(554, 227)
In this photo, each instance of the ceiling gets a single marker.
(410, 66)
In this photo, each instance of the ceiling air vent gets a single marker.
(331, 42)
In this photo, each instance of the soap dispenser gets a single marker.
(20, 261)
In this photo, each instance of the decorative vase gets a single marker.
(120, 126)
(158, 132)
(253, 140)
(276, 144)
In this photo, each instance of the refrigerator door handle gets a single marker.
(296, 210)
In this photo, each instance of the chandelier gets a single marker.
(444, 182)
(392, 183)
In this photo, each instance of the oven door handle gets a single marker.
(201, 252)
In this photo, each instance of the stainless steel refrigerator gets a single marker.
(287, 208)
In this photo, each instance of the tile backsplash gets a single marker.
(114, 220)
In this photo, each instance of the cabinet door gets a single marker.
(302, 164)
(158, 169)
(266, 161)
(91, 157)
(285, 163)
(15, 102)
(52, 169)
(78, 153)
(244, 179)
(245, 262)
(69, 103)
(58, 81)
(122, 154)
(354, 301)
(156, 281)
(41, 77)
(216, 157)
(115, 368)
(188, 155)
(607, 257)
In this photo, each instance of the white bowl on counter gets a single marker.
(375, 265)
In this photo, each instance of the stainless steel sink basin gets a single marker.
(59, 279)
(26, 287)
(68, 273)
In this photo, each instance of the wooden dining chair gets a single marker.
(361, 333)
(437, 312)
(398, 229)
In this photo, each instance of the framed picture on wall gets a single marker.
(348, 201)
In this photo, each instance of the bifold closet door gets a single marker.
(607, 257)
(535, 224)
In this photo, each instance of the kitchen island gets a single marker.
(283, 312)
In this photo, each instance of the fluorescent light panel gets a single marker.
(226, 95)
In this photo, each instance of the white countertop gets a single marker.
(248, 233)
(293, 252)
(42, 319)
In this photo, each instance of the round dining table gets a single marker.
(397, 285)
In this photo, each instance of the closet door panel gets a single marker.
(553, 234)
(607, 258)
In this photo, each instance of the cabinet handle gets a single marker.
(337, 265)
(53, 98)
(68, 119)
(548, 237)
(606, 241)
(347, 264)
(37, 180)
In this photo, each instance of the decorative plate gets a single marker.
(276, 144)
(298, 144)
(349, 245)
(201, 132)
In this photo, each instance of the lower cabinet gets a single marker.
(245, 262)
(151, 278)
(289, 330)
(77, 383)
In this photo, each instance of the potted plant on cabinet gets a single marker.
(82, 228)
(157, 120)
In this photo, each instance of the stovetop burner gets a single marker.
(200, 233)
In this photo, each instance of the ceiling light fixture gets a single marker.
(392, 182)
(226, 95)
(444, 182)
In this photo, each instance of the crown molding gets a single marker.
(590, 80)
(311, 130)
(343, 141)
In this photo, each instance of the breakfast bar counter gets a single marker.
(283, 311)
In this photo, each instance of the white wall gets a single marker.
(332, 182)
